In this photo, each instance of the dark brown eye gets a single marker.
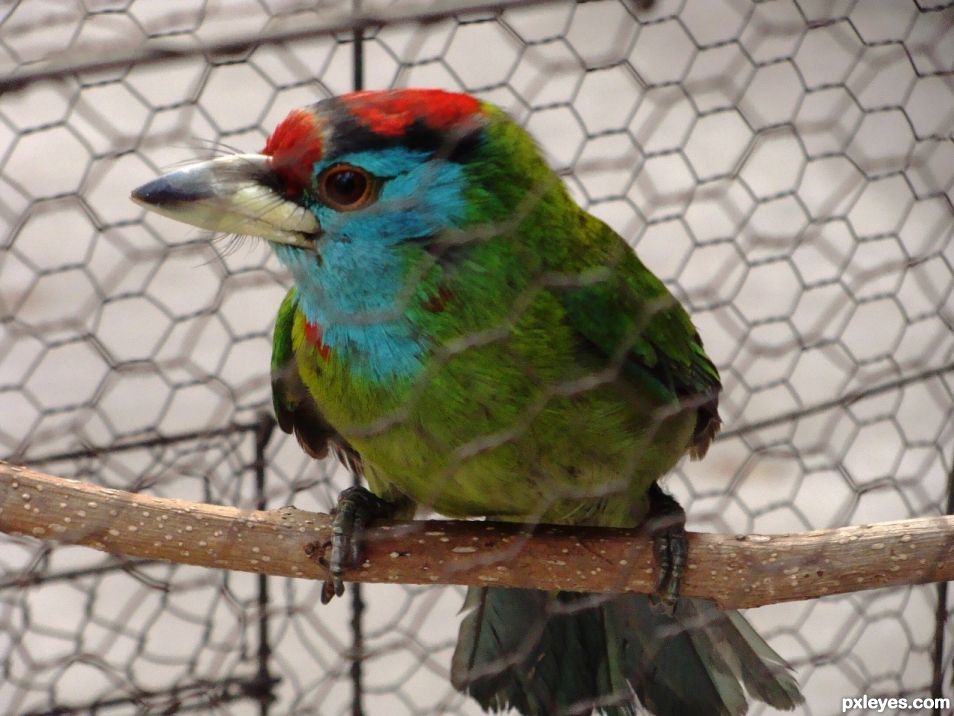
(345, 187)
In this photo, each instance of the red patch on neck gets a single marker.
(391, 112)
(436, 304)
(294, 147)
(313, 335)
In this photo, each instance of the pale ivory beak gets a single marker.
(233, 195)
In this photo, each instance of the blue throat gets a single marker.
(359, 282)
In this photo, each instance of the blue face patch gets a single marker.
(418, 197)
(358, 287)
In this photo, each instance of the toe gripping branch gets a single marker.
(356, 507)
(666, 523)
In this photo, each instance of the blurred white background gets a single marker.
(786, 167)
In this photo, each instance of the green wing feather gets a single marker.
(284, 399)
(626, 313)
(295, 409)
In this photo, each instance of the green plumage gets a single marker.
(558, 380)
(532, 315)
(468, 339)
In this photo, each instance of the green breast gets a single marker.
(513, 424)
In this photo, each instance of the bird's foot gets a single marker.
(666, 522)
(355, 509)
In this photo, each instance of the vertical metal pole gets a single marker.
(357, 599)
(357, 650)
(940, 615)
(263, 678)
(358, 53)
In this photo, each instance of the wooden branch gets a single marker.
(732, 570)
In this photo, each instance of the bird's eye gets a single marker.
(345, 187)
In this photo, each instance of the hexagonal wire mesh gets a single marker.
(786, 167)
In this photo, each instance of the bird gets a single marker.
(466, 337)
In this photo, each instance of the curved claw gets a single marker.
(355, 509)
(331, 589)
(671, 549)
(316, 550)
(666, 522)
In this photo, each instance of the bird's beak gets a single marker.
(235, 195)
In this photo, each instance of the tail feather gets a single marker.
(675, 669)
(766, 674)
(518, 649)
(753, 662)
(570, 654)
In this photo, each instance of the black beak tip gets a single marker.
(154, 192)
(163, 192)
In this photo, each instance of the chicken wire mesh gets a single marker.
(786, 167)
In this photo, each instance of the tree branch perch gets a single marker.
(732, 570)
